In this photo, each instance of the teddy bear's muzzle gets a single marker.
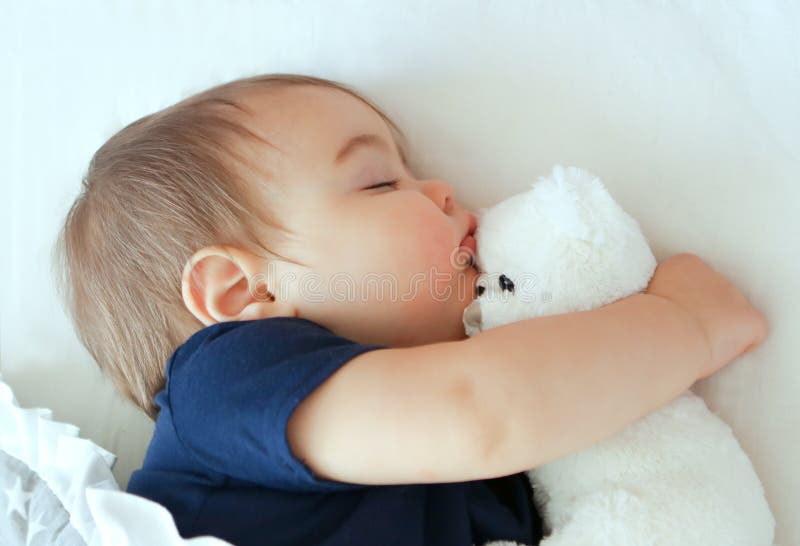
(472, 318)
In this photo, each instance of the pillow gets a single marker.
(58, 489)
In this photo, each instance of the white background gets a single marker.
(689, 111)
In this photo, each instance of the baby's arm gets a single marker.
(562, 383)
(515, 397)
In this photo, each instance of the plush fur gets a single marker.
(675, 477)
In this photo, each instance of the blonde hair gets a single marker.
(158, 190)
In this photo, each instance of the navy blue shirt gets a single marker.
(220, 462)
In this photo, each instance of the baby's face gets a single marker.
(384, 259)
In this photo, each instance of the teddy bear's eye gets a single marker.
(480, 289)
(506, 284)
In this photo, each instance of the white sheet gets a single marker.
(688, 110)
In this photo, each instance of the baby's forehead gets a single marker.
(300, 126)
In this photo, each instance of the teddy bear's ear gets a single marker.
(556, 173)
(558, 200)
(559, 171)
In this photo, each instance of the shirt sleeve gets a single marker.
(232, 397)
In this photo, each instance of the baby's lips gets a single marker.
(470, 243)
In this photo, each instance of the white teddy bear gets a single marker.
(675, 477)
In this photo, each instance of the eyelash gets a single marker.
(390, 183)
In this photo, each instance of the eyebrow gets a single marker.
(359, 141)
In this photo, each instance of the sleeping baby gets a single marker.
(259, 269)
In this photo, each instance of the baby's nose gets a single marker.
(440, 192)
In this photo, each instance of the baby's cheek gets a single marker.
(426, 238)
(440, 255)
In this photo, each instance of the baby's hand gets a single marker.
(731, 325)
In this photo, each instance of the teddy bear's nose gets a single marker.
(506, 284)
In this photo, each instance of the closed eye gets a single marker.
(389, 183)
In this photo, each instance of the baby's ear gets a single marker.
(216, 287)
